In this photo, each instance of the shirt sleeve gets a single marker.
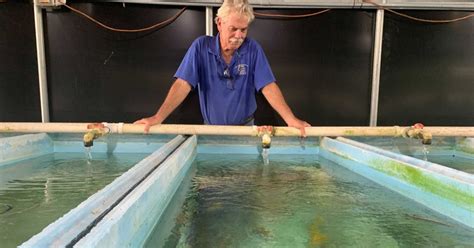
(263, 72)
(188, 69)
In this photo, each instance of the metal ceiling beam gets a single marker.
(351, 4)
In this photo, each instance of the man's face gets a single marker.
(232, 30)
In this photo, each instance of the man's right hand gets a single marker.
(148, 122)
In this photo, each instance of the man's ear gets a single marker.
(219, 23)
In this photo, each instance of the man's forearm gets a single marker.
(275, 97)
(176, 95)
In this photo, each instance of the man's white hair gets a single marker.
(235, 6)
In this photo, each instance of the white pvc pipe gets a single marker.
(393, 131)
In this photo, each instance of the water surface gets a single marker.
(35, 192)
(298, 201)
(455, 162)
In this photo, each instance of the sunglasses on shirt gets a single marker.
(227, 74)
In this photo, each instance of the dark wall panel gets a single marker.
(99, 75)
(323, 64)
(19, 90)
(427, 71)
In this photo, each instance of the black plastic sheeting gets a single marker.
(323, 64)
(427, 72)
(99, 75)
(19, 88)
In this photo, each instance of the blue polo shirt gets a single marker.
(226, 92)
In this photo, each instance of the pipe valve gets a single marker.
(96, 130)
(266, 133)
(416, 131)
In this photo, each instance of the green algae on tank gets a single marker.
(425, 181)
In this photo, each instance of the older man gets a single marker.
(227, 70)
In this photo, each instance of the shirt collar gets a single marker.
(215, 47)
